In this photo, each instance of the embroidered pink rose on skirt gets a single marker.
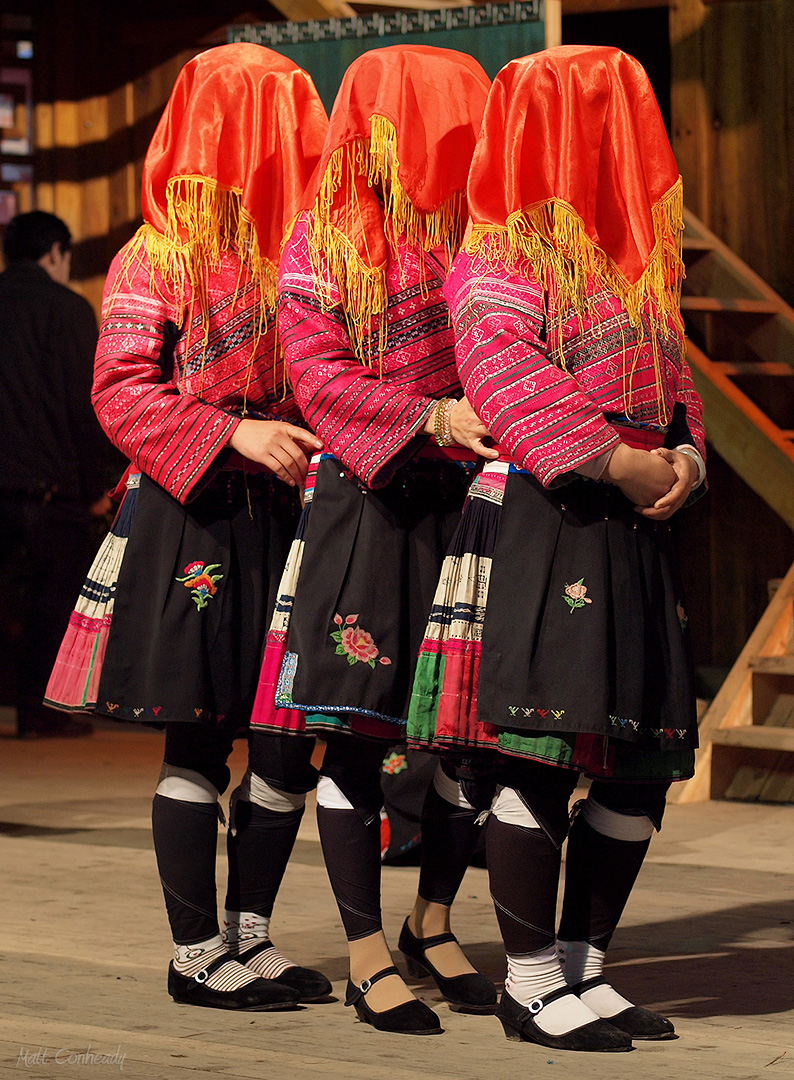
(355, 643)
(576, 595)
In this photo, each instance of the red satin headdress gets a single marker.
(228, 166)
(574, 172)
(405, 119)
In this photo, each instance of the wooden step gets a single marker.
(747, 733)
(759, 782)
(730, 304)
(745, 436)
(754, 764)
(773, 665)
(745, 278)
(774, 369)
(752, 774)
(756, 737)
(695, 249)
(779, 714)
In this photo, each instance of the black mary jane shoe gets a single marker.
(469, 993)
(519, 1024)
(636, 1022)
(311, 985)
(410, 1018)
(256, 996)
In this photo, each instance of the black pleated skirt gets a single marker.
(368, 569)
(194, 596)
(558, 633)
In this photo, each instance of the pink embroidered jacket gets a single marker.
(551, 418)
(167, 403)
(367, 417)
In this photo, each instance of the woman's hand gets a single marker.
(279, 446)
(465, 427)
(644, 478)
(687, 474)
(468, 430)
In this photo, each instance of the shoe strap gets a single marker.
(356, 992)
(539, 1003)
(426, 943)
(257, 950)
(210, 969)
(589, 984)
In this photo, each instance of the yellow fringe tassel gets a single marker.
(550, 237)
(361, 284)
(204, 222)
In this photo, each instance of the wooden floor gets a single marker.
(707, 938)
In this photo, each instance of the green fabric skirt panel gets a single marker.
(596, 756)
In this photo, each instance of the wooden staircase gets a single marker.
(747, 733)
(741, 352)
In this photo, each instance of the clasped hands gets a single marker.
(657, 482)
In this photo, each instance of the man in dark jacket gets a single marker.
(53, 455)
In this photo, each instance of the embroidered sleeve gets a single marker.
(371, 423)
(172, 436)
(535, 410)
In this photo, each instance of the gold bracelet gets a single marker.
(438, 425)
(442, 429)
(450, 405)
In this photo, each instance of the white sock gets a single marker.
(242, 931)
(242, 928)
(581, 961)
(189, 960)
(530, 978)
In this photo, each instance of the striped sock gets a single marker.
(268, 962)
(189, 960)
(247, 936)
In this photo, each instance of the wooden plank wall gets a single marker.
(732, 66)
(732, 117)
(99, 195)
(102, 74)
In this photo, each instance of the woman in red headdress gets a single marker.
(558, 635)
(370, 351)
(187, 384)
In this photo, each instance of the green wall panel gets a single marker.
(493, 34)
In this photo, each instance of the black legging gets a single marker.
(185, 833)
(524, 863)
(260, 841)
(351, 838)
